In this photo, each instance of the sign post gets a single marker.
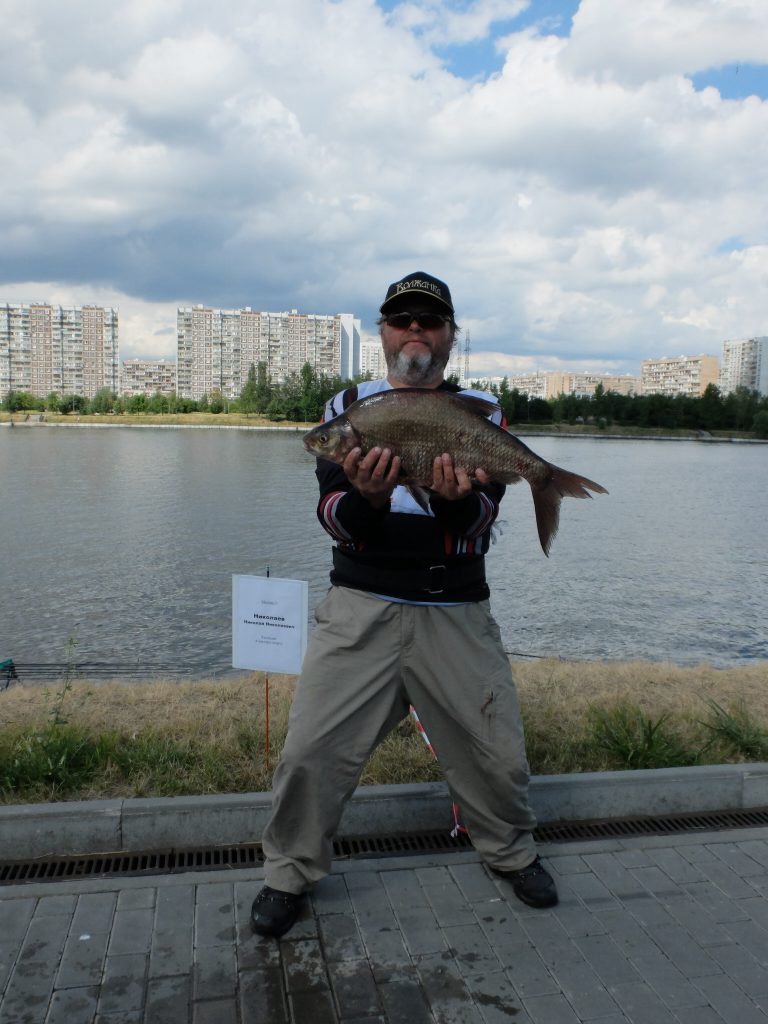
(269, 628)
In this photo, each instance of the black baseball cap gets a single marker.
(417, 284)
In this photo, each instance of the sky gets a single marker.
(588, 177)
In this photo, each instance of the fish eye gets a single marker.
(323, 438)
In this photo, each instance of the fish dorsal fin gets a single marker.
(479, 406)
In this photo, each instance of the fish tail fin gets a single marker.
(547, 497)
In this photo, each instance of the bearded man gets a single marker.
(405, 622)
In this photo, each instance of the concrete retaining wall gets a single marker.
(99, 826)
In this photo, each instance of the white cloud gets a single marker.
(582, 203)
(634, 42)
(442, 22)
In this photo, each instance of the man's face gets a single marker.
(415, 355)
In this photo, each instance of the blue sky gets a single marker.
(565, 166)
(735, 81)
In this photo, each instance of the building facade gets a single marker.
(745, 365)
(548, 384)
(148, 377)
(685, 375)
(372, 362)
(216, 348)
(70, 350)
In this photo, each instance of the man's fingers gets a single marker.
(462, 479)
(394, 470)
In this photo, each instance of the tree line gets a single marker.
(299, 398)
(302, 396)
(742, 410)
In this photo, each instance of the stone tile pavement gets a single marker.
(661, 930)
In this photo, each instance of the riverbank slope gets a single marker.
(88, 739)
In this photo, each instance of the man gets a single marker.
(406, 621)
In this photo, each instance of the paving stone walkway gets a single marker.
(670, 930)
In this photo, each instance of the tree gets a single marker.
(103, 401)
(760, 424)
(72, 403)
(137, 404)
(263, 388)
(710, 409)
(540, 410)
(158, 403)
(249, 399)
(16, 401)
(216, 404)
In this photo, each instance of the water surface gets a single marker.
(127, 539)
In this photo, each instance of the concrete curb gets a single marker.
(98, 826)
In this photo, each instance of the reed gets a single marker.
(93, 739)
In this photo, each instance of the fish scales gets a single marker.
(420, 424)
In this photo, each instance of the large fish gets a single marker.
(418, 424)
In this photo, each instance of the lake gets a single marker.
(125, 541)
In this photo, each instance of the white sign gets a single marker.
(269, 623)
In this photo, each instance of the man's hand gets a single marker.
(375, 475)
(452, 483)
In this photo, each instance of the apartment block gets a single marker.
(552, 383)
(70, 350)
(685, 375)
(148, 377)
(217, 347)
(745, 365)
(372, 362)
(587, 383)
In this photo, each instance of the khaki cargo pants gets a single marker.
(366, 661)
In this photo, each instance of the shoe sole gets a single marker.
(267, 932)
(538, 904)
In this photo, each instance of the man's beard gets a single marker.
(417, 371)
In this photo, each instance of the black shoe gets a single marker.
(532, 884)
(274, 912)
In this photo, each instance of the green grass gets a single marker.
(632, 739)
(737, 730)
(89, 740)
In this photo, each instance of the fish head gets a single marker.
(333, 440)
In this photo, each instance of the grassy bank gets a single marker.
(208, 419)
(189, 419)
(87, 740)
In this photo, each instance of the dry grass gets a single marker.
(169, 738)
(187, 419)
(558, 699)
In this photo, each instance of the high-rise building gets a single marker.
(745, 365)
(685, 375)
(148, 377)
(216, 347)
(372, 362)
(70, 350)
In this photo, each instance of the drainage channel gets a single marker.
(213, 858)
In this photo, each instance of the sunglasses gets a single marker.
(427, 321)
